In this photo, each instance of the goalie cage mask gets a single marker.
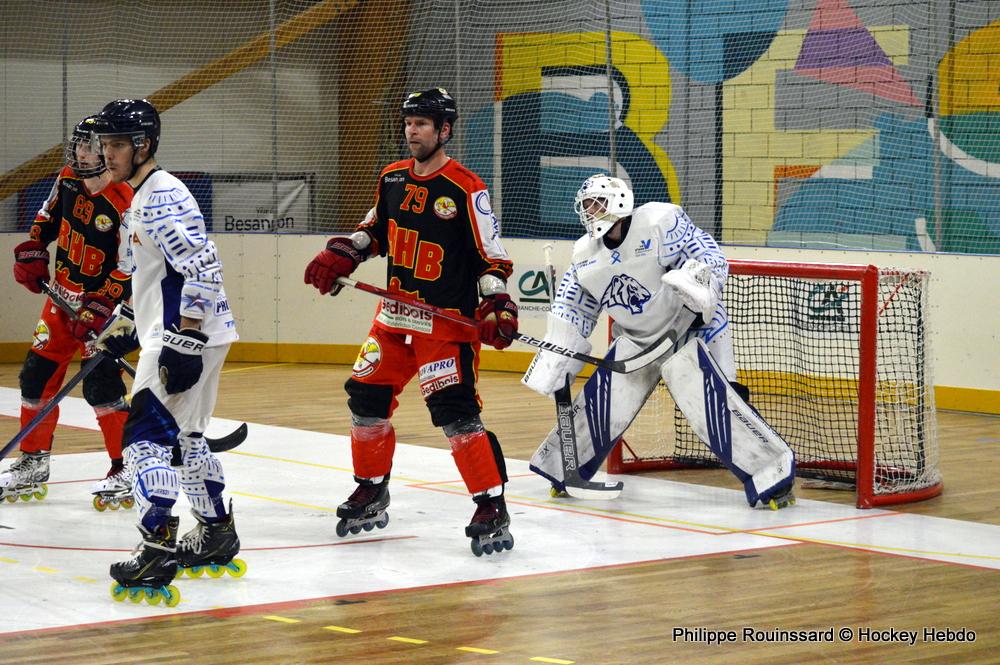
(614, 197)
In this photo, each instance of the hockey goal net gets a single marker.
(837, 361)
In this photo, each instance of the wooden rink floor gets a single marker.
(652, 577)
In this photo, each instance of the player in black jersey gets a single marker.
(432, 220)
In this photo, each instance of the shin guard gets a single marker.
(476, 461)
(40, 438)
(373, 442)
(112, 423)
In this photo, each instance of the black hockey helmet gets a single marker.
(130, 117)
(434, 103)
(83, 134)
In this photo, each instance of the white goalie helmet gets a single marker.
(610, 200)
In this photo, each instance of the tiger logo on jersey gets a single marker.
(368, 358)
(627, 292)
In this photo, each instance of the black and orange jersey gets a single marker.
(440, 236)
(85, 227)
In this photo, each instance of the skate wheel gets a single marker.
(195, 571)
(488, 548)
(215, 572)
(510, 543)
(368, 526)
(118, 592)
(557, 493)
(341, 528)
(153, 596)
(171, 595)
(99, 504)
(113, 505)
(383, 522)
(26, 497)
(477, 549)
(237, 567)
(355, 529)
(136, 594)
(11, 498)
(128, 503)
(41, 492)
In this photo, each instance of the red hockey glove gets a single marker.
(92, 316)
(497, 316)
(31, 265)
(339, 259)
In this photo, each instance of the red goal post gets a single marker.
(837, 360)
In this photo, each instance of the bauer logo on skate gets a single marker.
(401, 315)
(368, 358)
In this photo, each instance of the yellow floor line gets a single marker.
(4, 559)
(284, 501)
(487, 652)
(43, 569)
(341, 629)
(247, 369)
(556, 661)
(274, 617)
(407, 640)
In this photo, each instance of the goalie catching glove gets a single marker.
(118, 339)
(695, 285)
(180, 359)
(31, 265)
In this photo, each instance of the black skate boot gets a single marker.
(365, 508)
(26, 478)
(488, 528)
(210, 547)
(147, 575)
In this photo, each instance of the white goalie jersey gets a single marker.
(175, 268)
(626, 280)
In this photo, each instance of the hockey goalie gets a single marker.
(652, 270)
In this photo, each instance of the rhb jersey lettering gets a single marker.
(85, 227)
(439, 235)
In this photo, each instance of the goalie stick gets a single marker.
(573, 483)
(221, 445)
(624, 366)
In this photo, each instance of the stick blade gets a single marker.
(591, 491)
(229, 441)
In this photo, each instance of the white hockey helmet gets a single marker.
(610, 200)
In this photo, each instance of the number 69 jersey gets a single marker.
(625, 280)
(175, 267)
(440, 236)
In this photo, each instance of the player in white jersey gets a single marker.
(653, 270)
(184, 328)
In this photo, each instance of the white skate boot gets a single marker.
(114, 491)
(26, 477)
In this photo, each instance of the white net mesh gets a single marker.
(797, 341)
(861, 124)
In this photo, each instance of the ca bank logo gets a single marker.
(535, 286)
(826, 302)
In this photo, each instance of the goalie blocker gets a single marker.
(733, 430)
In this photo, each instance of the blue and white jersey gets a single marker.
(175, 268)
(625, 280)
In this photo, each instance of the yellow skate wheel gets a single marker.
(136, 594)
(172, 596)
(215, 572)
(113, 505)
(99, 504)
(11, 498)
(41, 492)
(195, 571)
(26, 497)
(237, 567)
(128, 503)
(118, 592)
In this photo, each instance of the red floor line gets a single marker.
(817, 522)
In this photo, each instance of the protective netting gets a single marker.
(797, 343)
(831, 123)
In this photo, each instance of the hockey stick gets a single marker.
(87, 368)
(228, 442)
(636, 362)
(574, 484)
(547, 248)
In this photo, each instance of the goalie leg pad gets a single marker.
(201, 476)
(738, 436)
(597, 420)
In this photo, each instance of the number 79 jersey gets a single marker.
(440, 236)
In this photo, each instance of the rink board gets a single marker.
(286, 484)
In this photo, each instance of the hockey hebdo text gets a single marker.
(865, 634)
